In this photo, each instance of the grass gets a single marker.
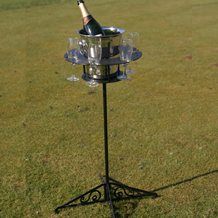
(163, 123)
(21, 4)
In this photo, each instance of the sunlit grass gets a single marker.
(163, 123)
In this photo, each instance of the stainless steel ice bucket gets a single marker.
(110, 48)
(110, 42)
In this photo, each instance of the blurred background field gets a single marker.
(163, 124)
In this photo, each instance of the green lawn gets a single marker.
(163, 124)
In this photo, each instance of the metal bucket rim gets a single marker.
(119, 30)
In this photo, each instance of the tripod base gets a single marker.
(108, 191)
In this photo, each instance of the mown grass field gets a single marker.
(163, 124)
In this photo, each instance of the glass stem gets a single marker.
(125, 69)
(73, 64)
(92, 67)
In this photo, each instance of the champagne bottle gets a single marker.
(91, 26)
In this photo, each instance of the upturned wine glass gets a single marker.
(94, 57)
(126, 50)
(134, 36)
(73, 53)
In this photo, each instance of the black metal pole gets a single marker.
(107, 190)
(105, 133)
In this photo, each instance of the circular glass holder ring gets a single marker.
(111, 77)
(82, 60)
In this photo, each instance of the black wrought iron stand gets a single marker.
(109, 190)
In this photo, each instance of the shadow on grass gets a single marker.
(185, 181)
(127, 209)
(205, 4)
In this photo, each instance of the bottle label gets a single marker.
(86, 19)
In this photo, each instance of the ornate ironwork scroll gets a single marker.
(107, 192)
(94, 195)
(121, 191)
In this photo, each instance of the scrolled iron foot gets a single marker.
(120, 191)
(108, 191)
(92, 196)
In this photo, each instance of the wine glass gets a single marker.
(94, 57)
(73, 53)
(126, 50)
(134, 36)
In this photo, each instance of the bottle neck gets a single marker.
(80, 1)
(84, 10)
